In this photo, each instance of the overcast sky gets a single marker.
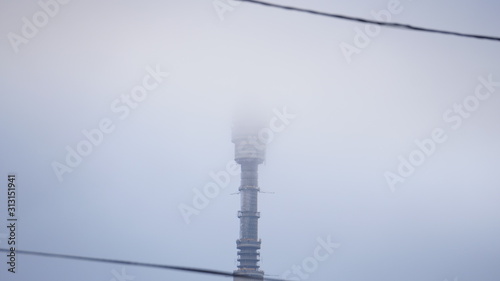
(116, 119)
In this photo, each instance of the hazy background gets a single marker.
(326, 168)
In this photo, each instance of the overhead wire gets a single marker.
(143, 264)
(381, 23)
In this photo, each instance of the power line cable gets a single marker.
(171, 267)
(382, 23)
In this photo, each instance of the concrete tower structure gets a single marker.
(249, 153)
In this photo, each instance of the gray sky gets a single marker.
(351, 121)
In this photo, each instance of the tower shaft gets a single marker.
(249, 154)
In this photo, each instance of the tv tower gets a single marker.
(249, 153)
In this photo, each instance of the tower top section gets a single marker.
(249, 144)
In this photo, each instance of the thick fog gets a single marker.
(382, 145)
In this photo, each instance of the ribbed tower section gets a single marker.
(249, 153)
